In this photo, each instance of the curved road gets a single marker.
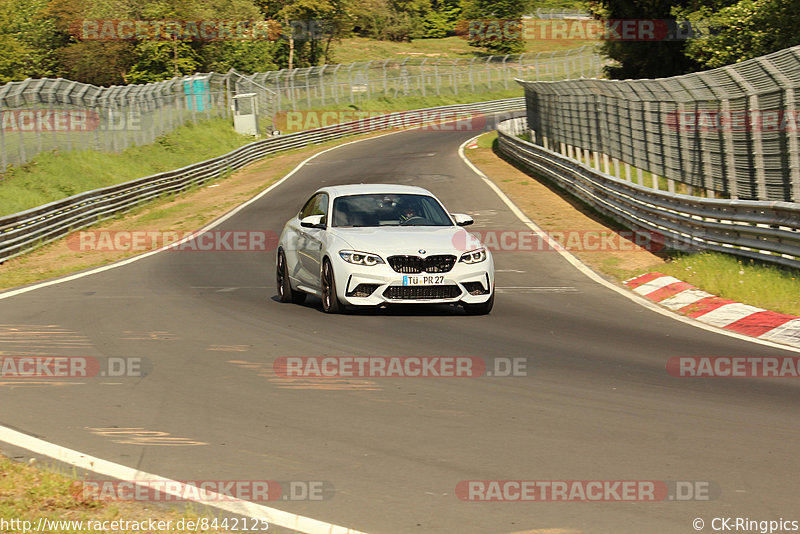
(597, 403)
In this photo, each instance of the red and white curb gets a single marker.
(687, 300)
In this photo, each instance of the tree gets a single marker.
(495, 25)
(28, 39)
(645, 58)
(441, 20)
(309, 28)
(744, 30)
(392, 20)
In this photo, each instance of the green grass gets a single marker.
(30, 493)
(430, 101)
(487, 140)
(353, 49)
(53, 175)
(743, 280)
(163, 212)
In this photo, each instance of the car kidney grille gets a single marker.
(422, 292)
(414, 264)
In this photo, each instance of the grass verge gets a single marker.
(742, 279)
(766, 286)
(53, 175)
(432, 100)
(353, 49)
(31, 494)
(289, 122)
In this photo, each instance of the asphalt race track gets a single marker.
(596, 404)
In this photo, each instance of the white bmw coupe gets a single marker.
(375, 245)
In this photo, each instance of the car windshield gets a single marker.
(382, 209)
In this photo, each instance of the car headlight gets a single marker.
(474, 256)
(360, 258)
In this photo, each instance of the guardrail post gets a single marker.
(422, 77)
(336, 84)
(794, 149)
(308, 89)
(729, 156)
(322, 83)
(471, 69)
(454, 76)
(367, 80)
(436, 76)
(385, 78)
(3, 148)
(756, 140)
(792, 170)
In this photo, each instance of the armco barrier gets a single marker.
(764, 230)
(29, 229)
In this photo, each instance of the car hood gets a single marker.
(387, 240)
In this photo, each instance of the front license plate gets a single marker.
(423, 280)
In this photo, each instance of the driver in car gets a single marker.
(409, 212)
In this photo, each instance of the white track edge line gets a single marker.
(599, 279)
(165, 485)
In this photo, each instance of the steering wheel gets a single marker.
(407, 221)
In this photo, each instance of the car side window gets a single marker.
(316, 205)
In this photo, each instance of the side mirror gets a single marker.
(462, 219)
(313, 221)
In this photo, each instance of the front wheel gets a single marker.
(330, 302)
(480, 309)
(285, 291)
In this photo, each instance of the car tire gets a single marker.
(330, 300)
(480, 309)
(285, 291)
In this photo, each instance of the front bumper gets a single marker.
(380, 284)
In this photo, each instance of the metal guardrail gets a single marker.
(24, 231)
(731, 130)
(763, 230)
